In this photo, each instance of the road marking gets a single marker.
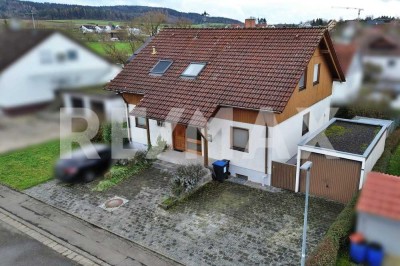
(58, 245)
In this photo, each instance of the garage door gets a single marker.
(331, 177)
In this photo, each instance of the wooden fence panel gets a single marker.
(283, 176)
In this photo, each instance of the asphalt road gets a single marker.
(18, 249)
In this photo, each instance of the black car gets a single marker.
(84, 164)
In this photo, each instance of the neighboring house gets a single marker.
(108, 106)
(35, 64)
(383, 50)
(344, 93)
(378, 212)
(343, 152)
(247, 95)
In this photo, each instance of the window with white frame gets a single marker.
(193, 70)
(317, 68)
(240, 139)
(141, 122)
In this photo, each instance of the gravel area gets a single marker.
(346, 137)
(222, 224)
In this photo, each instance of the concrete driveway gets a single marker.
(223, 224)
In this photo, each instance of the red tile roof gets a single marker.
(246, 68)
(381, 196)
(345, 54)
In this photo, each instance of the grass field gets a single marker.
(394, 163)
(98, 47)
(29, 167)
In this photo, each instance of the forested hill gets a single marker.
(50, 11)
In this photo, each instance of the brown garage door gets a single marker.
(331, 177)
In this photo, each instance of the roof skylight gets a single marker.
(193, 70)
(161, 67)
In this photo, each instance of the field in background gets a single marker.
(99, 47)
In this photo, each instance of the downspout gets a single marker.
(128, 118)
(266, 155)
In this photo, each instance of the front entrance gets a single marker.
(186, 139)
(179, 137)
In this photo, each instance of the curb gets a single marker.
(155, 252)
(65, 249)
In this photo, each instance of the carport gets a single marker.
(342, 152)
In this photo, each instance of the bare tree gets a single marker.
(150, 22)
(183, 23)
(116, 55)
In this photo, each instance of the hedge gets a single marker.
(392, 142)
(327, 250)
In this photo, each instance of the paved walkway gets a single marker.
(98, 245)
(223, 224)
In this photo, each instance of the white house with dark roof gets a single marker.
(35, 64)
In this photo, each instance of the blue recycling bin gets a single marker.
(221, 170)
(375, 255)
(358, 251)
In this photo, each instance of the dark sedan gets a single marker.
(84, 164)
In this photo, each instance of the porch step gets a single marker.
(165, 166)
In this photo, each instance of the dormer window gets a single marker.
(161, 67)
(193, 70)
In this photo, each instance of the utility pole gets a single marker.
(306, 167)
(33, 19)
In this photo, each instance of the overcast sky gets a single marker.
(275, 11)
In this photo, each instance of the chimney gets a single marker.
(250, 22)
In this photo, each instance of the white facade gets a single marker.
(390, 65)
(114, 107)
(380, 230)
(282, 140)
(55, 63)
(344, 93)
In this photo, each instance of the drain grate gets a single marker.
(113, 204)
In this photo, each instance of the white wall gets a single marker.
(29, 81)
(344, 93)
(282, 142)
(284, 138)
(251, 163)
(383, 231)
(388, 72)
(375, 154)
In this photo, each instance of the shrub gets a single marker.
(160, 147)
(392, 142)
(114, 132)
(186, 179)
(394, 163)
(98, 138)
(337, 236)
(123, 169)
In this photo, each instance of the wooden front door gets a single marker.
(179, 137)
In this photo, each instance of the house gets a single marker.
(378, 213)
(383, 50)
(343, 152)
(344, 93)
(107, 106)
(248, 95)
(35, 64)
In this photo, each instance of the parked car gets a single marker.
(83, 165)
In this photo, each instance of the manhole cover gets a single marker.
(113, 203)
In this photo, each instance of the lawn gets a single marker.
(98, 47)
(29, 167)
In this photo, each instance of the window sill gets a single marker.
(240, 149)
(141, 127)
(302, 88)
(315, 83)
